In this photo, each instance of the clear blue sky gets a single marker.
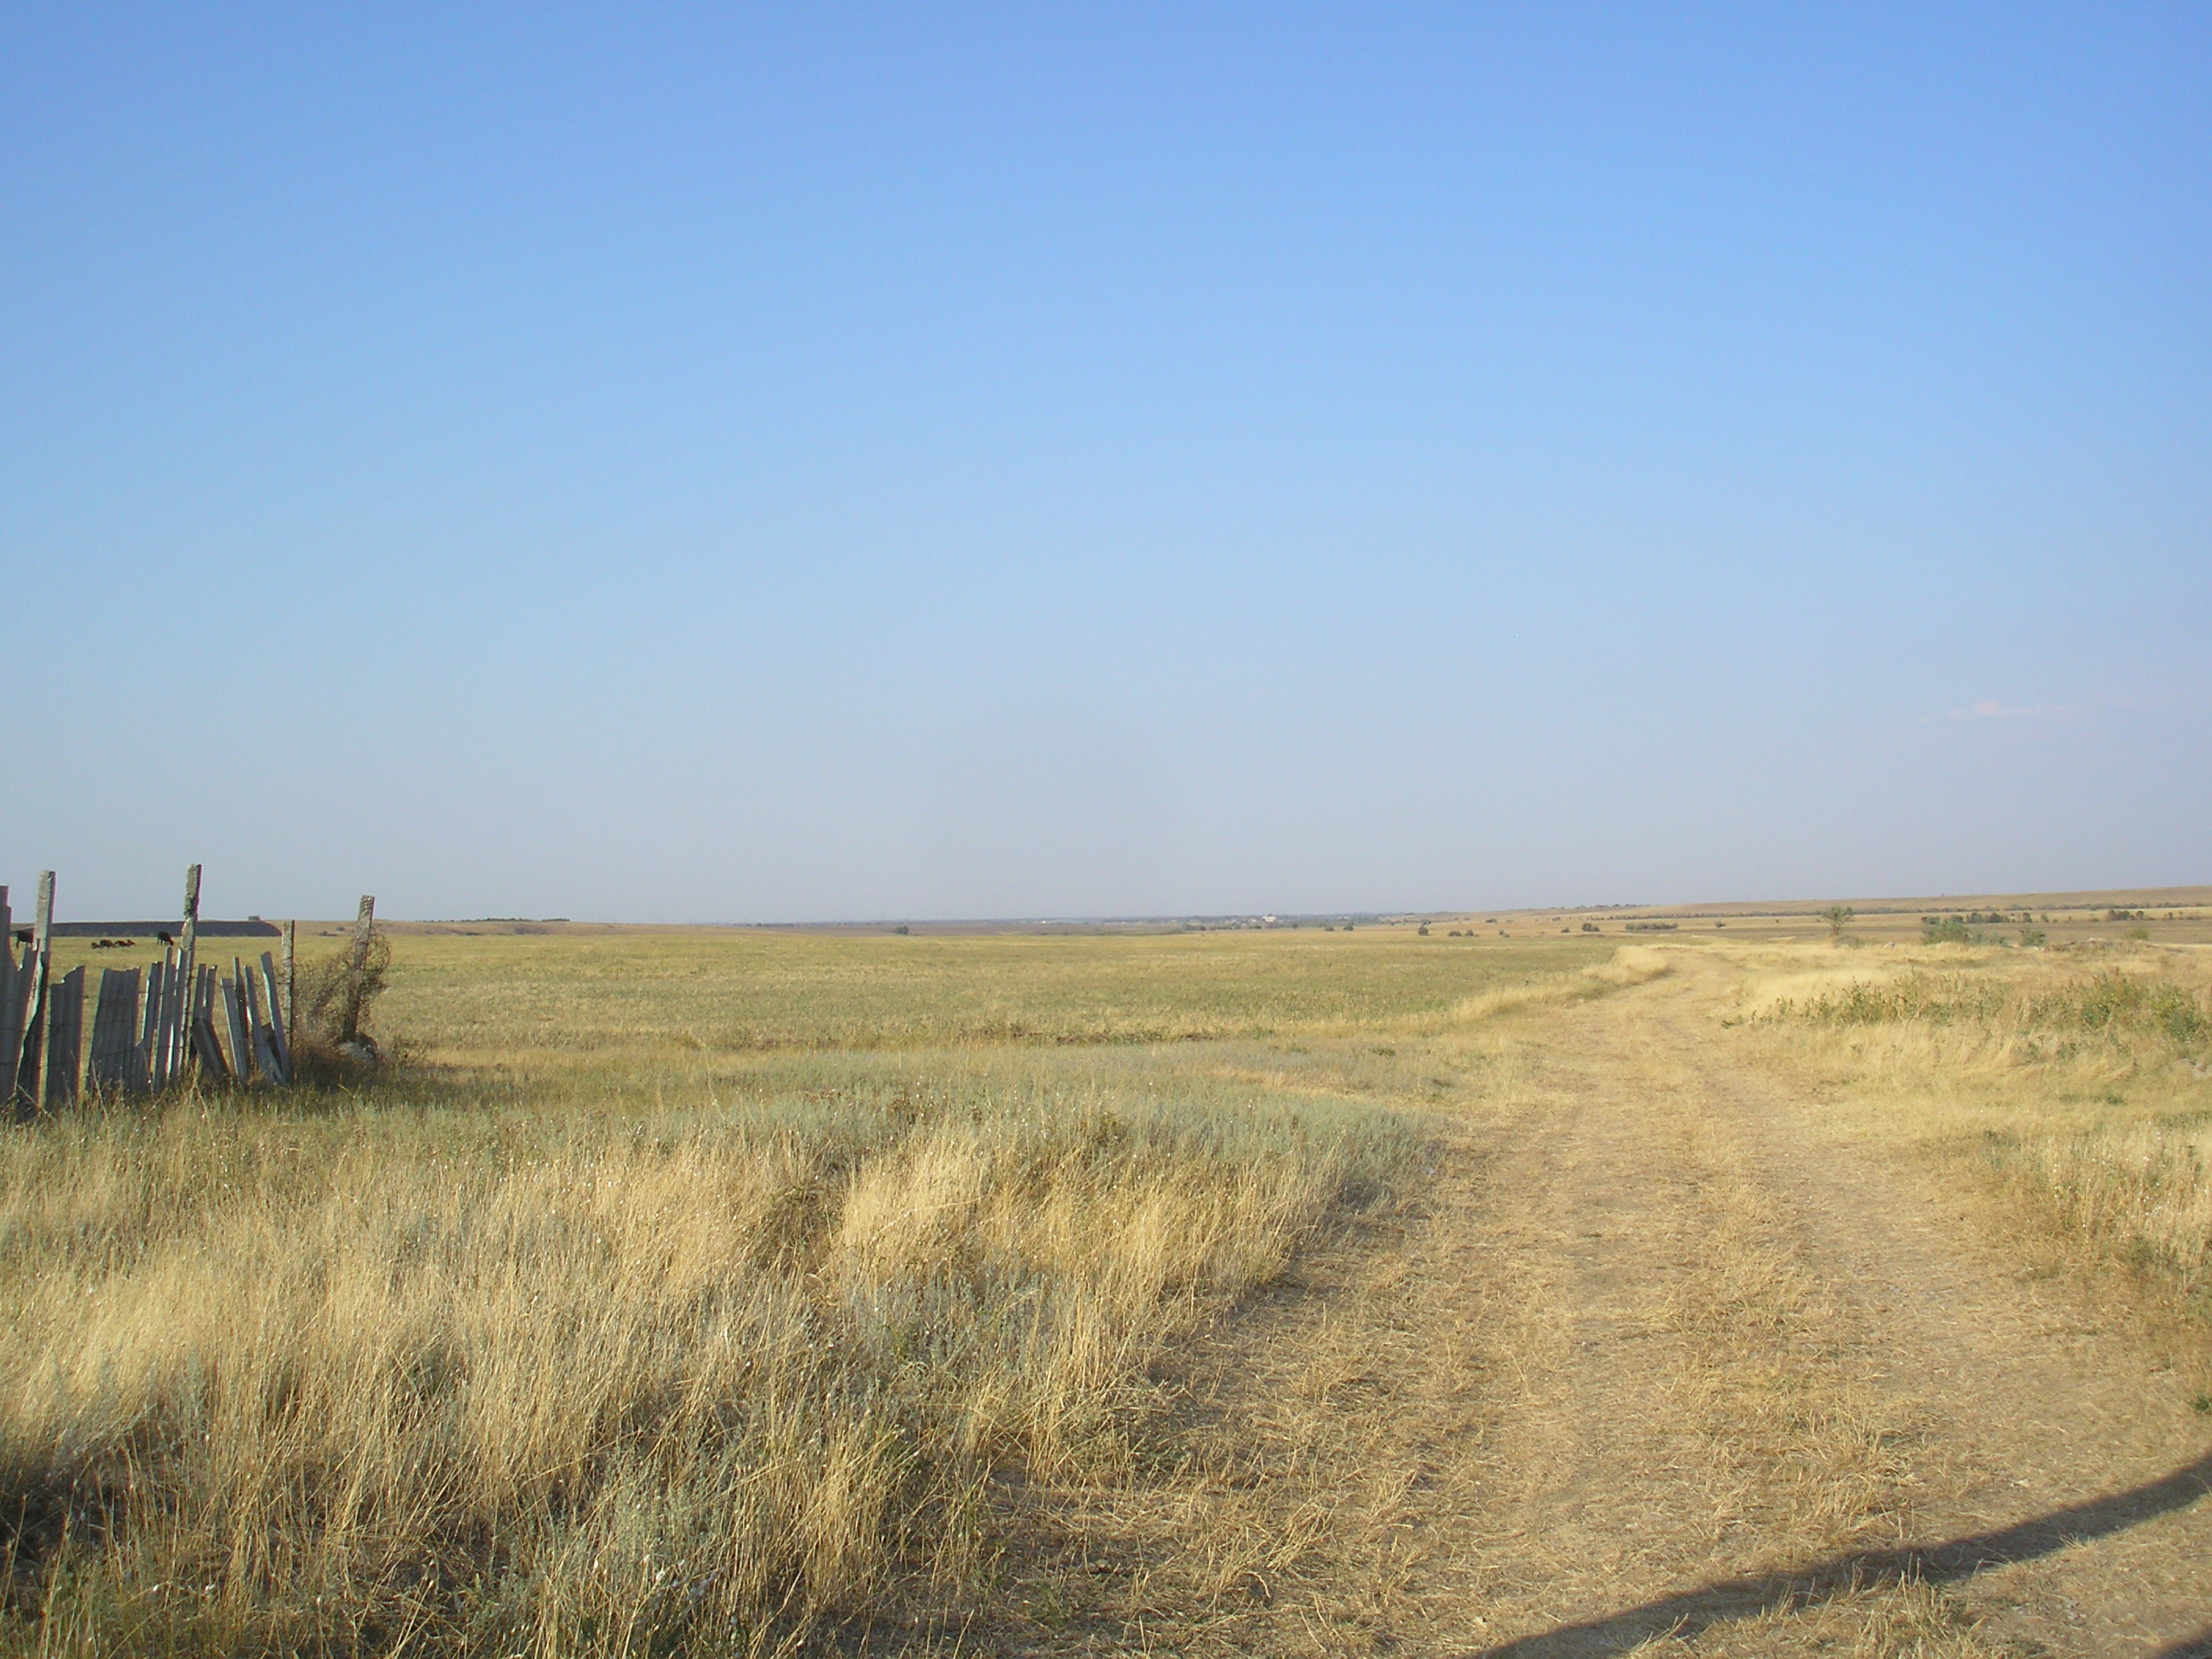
(767, 463)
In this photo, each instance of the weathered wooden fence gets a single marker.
(178, 1019)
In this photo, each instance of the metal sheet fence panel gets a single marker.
(113, 1067)
(24, 1093)
(12, 987)
(64, 1039)
(17, 1018)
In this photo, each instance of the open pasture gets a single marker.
(671, 1004)
(707, 1291)
(676, 1289)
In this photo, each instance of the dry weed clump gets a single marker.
(338, 999)
(580, 1383)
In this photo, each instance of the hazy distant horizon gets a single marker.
(831, 461)
(2189, 895)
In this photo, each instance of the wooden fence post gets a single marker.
(364, 933)
(187, 948)
(288, 1020)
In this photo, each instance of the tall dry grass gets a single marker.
(2081, 1078)
(567, 1381)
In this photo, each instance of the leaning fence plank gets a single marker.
(207, 1048)
(162, 1014)
(280, 1038)
(160, 992)
(135, 1080)
(25, 1090)
(234, 1014)
(154, 1060)
(11, 1024)
(176, 1019)
(249, 993)
(261, 1027)
(114, 1033)
(264, 1055)
(15, 1017)
(242, 988)
(149, 1026)
(64, 1039)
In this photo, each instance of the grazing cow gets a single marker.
(165, 939)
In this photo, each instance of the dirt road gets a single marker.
(1672, 1357)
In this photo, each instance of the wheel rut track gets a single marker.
(2037, 1401)
(1701, 1363)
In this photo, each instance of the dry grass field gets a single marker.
(1527, 1293)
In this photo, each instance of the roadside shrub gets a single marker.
(337, 1002)
(342, 990)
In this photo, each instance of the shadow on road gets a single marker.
(1695, 1611)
